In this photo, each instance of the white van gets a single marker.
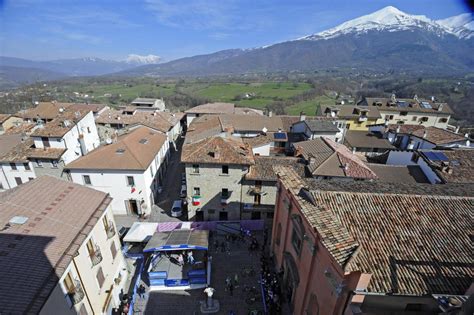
(177, 209)
(183, 193)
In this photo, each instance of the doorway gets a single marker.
(132, 206)
(223, 216)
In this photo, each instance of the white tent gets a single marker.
(140, 232)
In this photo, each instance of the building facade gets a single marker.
(337, 256)
(130, 170)
(74, 264)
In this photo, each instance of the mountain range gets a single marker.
(385, 40)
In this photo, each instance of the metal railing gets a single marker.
(77, 294)
(96, 256)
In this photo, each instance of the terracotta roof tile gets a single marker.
(160, 121)
(366, 139)
(212, 108)
(133, 151)
(263, 168)
(458, 169)
(217, 150)
(328, 158)
(438, 136)
(60, 125)
(411, 243)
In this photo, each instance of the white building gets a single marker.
(60, 250)
(318, 128)
(130, 170)
(15, 168)
(74, 132)
(149, 103)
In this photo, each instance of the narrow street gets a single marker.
(161, 211)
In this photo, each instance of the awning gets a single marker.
(178, 240)
(140, 232)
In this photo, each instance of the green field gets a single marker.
(260, 94)
(309, 107)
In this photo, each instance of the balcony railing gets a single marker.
(96, 256)
(256, 190)
(77, 294)
(110, 230)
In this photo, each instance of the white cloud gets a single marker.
(147, 59)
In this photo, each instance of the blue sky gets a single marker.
(113, 29)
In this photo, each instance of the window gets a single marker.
(55, 164)
(403, 113)
(86, 179)
(39, 163)
(30, 178)
(278, 234)
(424, 119)
(414, 118)
(225, 169)
(100, 277)
(69, 283)
(443, 120)
(27, 166)
(105, 222)
(13, 166)
(388, 117)
(415, 157)
(1, 185)
(296, 241)
(18, 180)
(113, 250)
(45, 141)
(195, 168)
(88, 130)
(225, 193)
(130, 181)
(197, 191)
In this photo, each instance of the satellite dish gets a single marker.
(108, 141)
(264, 130)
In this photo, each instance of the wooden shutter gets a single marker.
(113, 250)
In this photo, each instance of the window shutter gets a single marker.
(113, 250)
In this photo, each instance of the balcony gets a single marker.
(225, 200)
(256, 190)
(96, 256)
(110, 230)
(77, 294)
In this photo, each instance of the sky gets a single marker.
(171, 29)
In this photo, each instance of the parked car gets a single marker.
(177, 209)
(183, 192)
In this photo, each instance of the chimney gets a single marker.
(302, 116)
(457, 129)
(346, 166)
(468, 143)
(440, 107)
(270, 113)
(398, 129)
(432, 98)
(424, 134)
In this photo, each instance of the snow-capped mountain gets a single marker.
(461, 25)
(143, 60)
(391, 19)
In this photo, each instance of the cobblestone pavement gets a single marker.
(224, 264)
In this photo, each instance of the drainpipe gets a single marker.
(82, 283)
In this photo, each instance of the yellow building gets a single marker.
(352, 116)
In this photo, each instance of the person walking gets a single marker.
(181, 259)
(190, 258)
(231, 289)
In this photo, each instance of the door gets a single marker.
(132, 206)
(45, 141)
(257, 199)
(223, 216)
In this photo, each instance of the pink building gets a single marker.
(364, 247)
